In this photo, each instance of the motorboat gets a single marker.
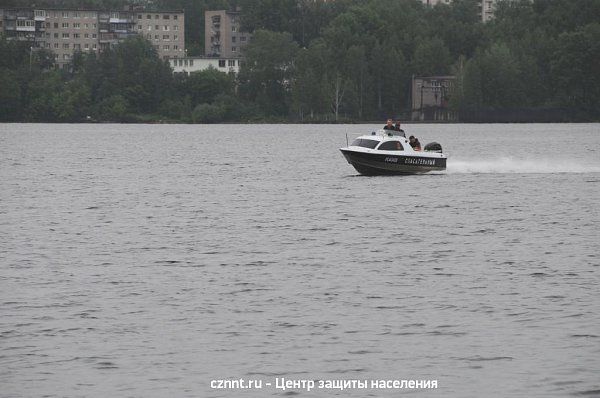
(388, 152)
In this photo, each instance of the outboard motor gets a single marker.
(433, 147)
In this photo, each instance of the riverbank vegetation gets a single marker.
(316, 61)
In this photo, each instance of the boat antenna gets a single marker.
(346, 138)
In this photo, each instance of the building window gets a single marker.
(149, 27)
(175, 37)
(56, 35)
(94, 35)
(165, 37)
(76, 14)
(139, 27)
(233, 39)
(156, 16)
(66, 56)
(221, 63)
(234, 29)
(65, 25)
(55, 45)
(65, 14)
(175, 47)
(65, 35)
(166, 47)
(148, 16)
(156, 37)
(231, 62)
(94, 46)
(175, 27)
(77, 25)
(55, 25)
(77, 46)
(166, 16)
(86, 35)
(86, 46)
(94, 25)
(139, 16)
(166, 27)
(175, 17)
(233, 49)
(156, 27)
(76, 35)
(66, 46)
(243, 38)
(87, 25)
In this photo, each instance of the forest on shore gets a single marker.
(323, 61)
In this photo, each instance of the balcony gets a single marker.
(108, 37)
(121, 20)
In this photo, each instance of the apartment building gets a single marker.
(486, 7)
(20, 24)
(64, 31)
(67, 31)
(222, 35)
(165, 29)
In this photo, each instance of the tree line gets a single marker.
(320, 61)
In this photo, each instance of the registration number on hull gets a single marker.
(412, 161)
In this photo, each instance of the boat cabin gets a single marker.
(383, 140)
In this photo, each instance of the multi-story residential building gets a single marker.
(165, 29)
(222, 35)
(113, 27)
(194, 64)
(65, 31)
(430, 96)
(486, 7)
(20, 24)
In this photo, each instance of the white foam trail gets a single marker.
(507, 165)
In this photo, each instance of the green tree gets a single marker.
(575, 69)
(492, 80)
(266, 74)
(431, 57)
(10, 96)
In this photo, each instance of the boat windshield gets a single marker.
(365, 143)
(391, 146)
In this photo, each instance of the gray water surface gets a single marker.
(148, 260)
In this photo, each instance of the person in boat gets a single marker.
(414, 143)
(398, 128)
(389, 125)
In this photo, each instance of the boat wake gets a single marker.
(518, 166)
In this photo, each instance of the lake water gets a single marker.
(148, 260)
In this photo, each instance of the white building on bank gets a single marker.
(196, 64)
(486, 8)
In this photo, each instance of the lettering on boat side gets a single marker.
(420, 161)
(391, 160)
